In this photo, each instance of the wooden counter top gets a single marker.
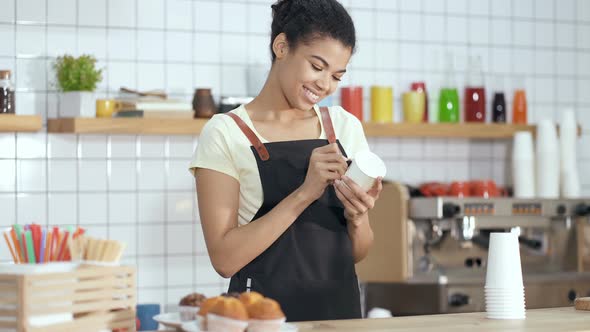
(538, 320)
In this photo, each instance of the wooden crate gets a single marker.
(91, 298)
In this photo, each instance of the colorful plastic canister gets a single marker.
(382, 104)
(351, 99)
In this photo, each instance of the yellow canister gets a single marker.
(381, 104)
(414, 106)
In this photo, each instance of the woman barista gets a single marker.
(278, 215)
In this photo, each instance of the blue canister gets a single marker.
(145, 314)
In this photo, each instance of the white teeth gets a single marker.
(310, 94)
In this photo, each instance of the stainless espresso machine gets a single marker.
(432, 258)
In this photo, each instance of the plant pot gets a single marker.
(76, 104)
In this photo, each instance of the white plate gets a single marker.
(171, 319)
(193, 327)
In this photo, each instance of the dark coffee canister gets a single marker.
(203, 103)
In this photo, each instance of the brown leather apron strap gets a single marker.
(256, 143)
(328, 127)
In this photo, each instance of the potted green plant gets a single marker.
(77, 79)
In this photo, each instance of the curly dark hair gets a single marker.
(305, 20)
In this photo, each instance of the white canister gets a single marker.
(547, 160)
(568, 134)
(523, 165)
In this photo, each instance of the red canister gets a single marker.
(351, 99)
(421, 87)
(475, 104)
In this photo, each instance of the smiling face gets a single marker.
(311, 71)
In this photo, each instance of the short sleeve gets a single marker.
(359, 140)
(351, 135)
(213, 150)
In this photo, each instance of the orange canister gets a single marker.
(519, 108)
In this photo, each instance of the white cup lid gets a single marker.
(370, 164)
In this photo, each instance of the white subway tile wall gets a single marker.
(137, 188)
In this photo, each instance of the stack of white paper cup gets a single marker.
(504, 290)
(523, 165)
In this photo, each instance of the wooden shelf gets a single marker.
(20, 123)
(449, 130)
(154, 126)
(139, 126)
(445, 130)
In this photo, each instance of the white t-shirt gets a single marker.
(223, 147)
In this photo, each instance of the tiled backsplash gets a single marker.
(137, 188)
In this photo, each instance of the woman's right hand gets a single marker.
(326, 165)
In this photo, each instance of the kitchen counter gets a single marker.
(539, 320)
(550, 320)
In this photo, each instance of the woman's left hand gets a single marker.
(356, 201)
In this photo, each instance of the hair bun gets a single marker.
(284, 10)
(281, 5)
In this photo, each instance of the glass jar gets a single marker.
(6, 93)
(203, 103)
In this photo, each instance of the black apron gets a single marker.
(309, 269)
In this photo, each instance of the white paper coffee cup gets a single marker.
(365, 168)
(504, 269)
